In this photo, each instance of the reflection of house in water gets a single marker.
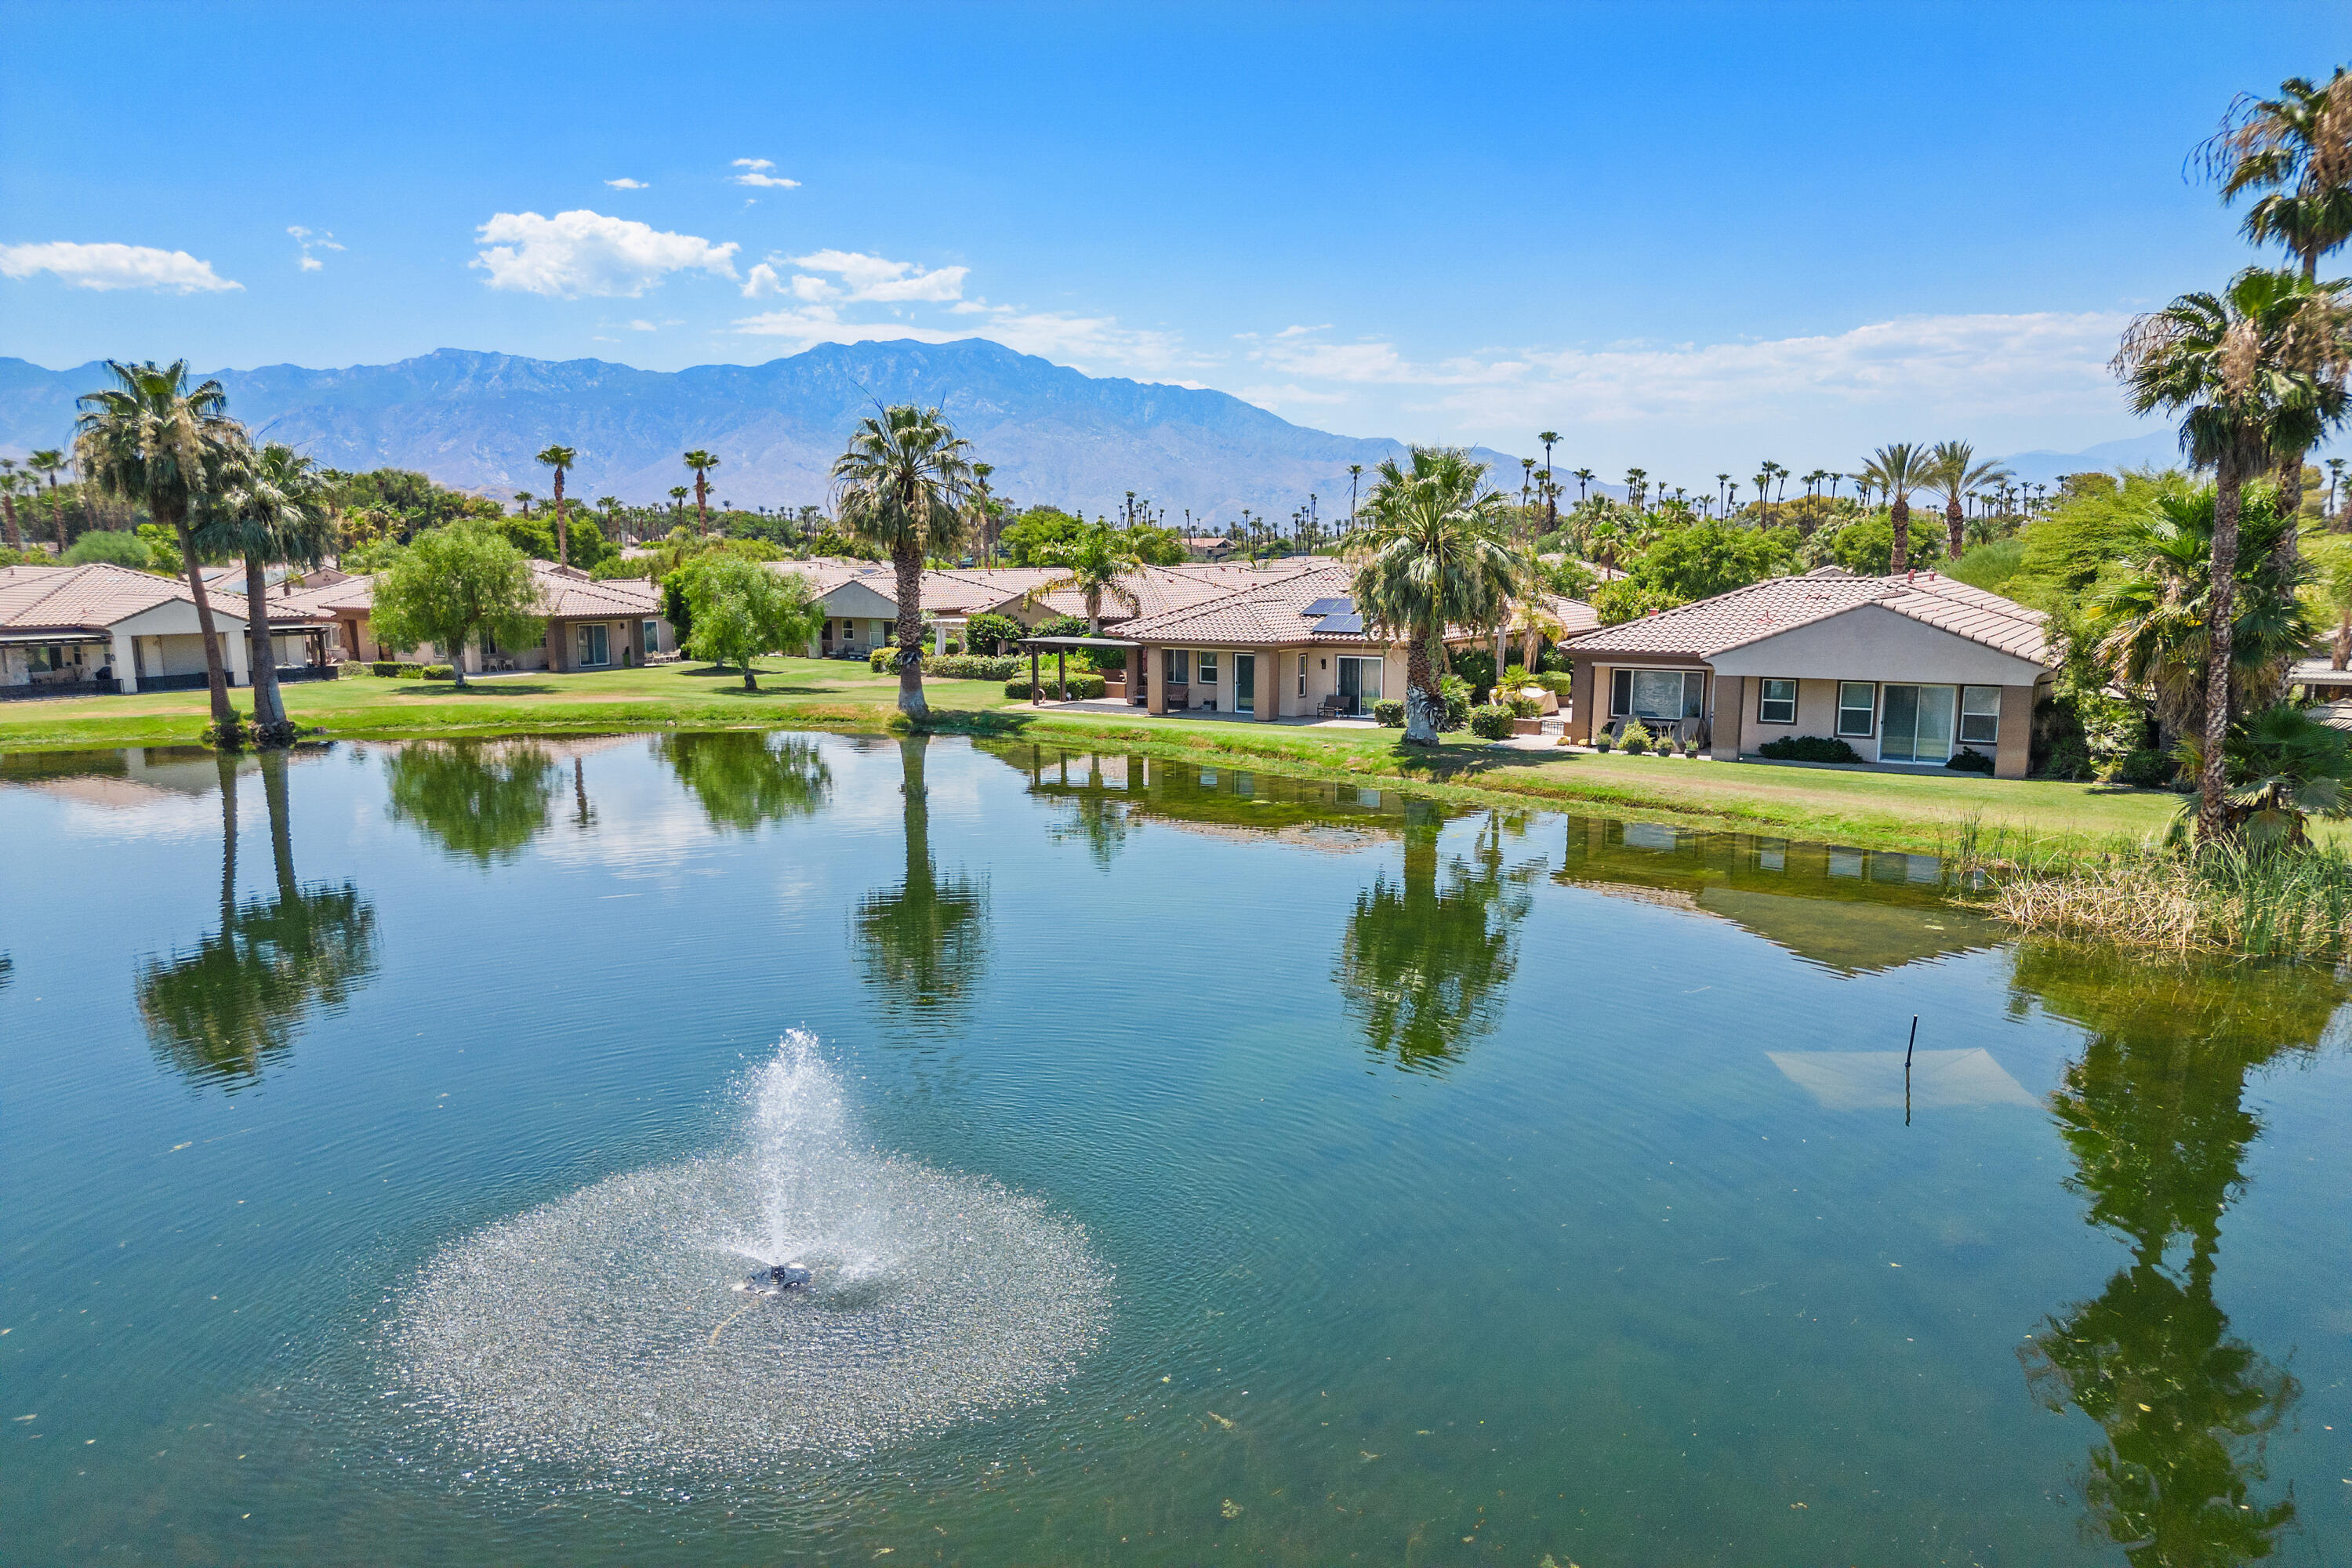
(1853, 910)
(133, 778)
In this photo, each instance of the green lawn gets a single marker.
(1890, 810)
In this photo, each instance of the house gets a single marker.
(1907, 669)
(590, 624)
(1291, 644)
(859, 599)
(102, 627)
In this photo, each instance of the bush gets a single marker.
(883, 660)
(991, 634)
(1062, 627)
(118, 549)
(439, 672)
(352, 666)
(1554, 662)
(1559, 683)
(1491, 721)
(1522, 706)
(1690, 745)
(1636, 737)
(2069, 758)
(2147, 768)
(1809, 749)
(1456, 693)
(399, 669)
(1389, 714)
(1082, 687)
(1602, 744)
(1968, 760)
(1477, 667)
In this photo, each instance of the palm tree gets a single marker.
(2335, 486)
(983, 519)
(9, 479)
(46, 462)
(1526, 480)
(702, 462)
(1898, 469)
(923, 943)
(560, 459)
(1952, 469)
(1434, 555)
(1093, 567)
(272, 508)
(1551, 505)
(1635, 487)
(677, 494)
(901, 487)
(151, 438)
(1583, 477)
(2231, 364)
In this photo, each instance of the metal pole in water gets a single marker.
(1906, 1068)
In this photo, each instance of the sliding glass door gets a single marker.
(1915, 725)
(1360, 684)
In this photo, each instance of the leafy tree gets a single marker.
(151, 438)
(2232, 365)
(993, 633)
(453, 586)
(902, 488)
(46, 462)
(482, 801)
(1158, 546)
(746, 777)
(1866, 545)
(114, 548)
(1706, 556)
(1434, 553)
(1041, 536)
(739, 610)
(273, 512)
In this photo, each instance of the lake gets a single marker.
(1188, 1165)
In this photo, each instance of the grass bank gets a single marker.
(1914, 812)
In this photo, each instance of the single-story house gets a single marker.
(1907, 669)
(103, 627)
(590, 624)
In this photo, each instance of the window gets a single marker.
(1656, 693)
(1302, 675)
(1208, 668)
(1172, 663)
(1980, 715)
(595, 646)
(1776, 702)
(1857, 707)
(653, 636)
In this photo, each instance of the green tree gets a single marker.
(1434, 553)
(453, 586)
(153, 438)
(114, 548)
(1701, 557)
(702, 462)
(2230, 366)
(482, 801)
(1898, 469)
(1092, 564)
(901, 487)
(272, 512)
(1158, 546)
(745, 777)
(560, 459)
(740, 609)
(1041, 537)
(45, 463)
(923, 944)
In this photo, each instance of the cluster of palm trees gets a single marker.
(47, 463)
(151, 439)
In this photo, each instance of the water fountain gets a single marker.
(612, 1327)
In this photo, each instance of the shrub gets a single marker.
(2147, 768)
(1602, 744)
(993, 633)
(1490, 722)
(1082, 687)
(439, 672)
(1559, 683)
(883, 660)
(119, 549)
(1968, 760)
(384, 666)
(1456, 693)
(1690, 745)
(1636, 737)
(352, 666)
(1523, 706)
(1062, 627)
(1475, 666)
(1554, 662)
(1389, 714)
(2069, 758)
(1809, 749)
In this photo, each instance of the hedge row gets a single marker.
(952, 666)
(1081, 686)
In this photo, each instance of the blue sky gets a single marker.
(1688, 236)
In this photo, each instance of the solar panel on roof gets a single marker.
(1330, 606)
(1347, 622)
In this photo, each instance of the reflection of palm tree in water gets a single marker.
(922, 943)
(1422, 970)
(1098, 819)
(484, 800)
(237, 1001)
(745, 777)
(2153, 1114)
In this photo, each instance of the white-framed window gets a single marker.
(1302, 675)
(1667, 694)
(595, 646)
(1208, 661)
(1857, 709)
(1980, 715)
(1776, 701)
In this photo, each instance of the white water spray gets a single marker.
(601, 1328)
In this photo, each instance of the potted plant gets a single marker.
(1636, 737)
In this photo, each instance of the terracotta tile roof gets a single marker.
(93, 597)
(1768, 608)
(569, 593)
(1267, 613)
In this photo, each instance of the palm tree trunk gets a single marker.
(702, 506)
(1953, 526)
(281, 833)
(227, 771)
(225, 723)
(16, 535)
(562, 529)
(1900, 518)
(2213, 778)
(2288, 552)
(908, 560)
(1423, 705)
(261, 655)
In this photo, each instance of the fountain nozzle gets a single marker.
(775, 1282)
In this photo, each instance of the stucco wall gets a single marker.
(1871, 642)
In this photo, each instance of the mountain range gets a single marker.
(1054, 436)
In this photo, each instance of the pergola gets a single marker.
(1061, 647)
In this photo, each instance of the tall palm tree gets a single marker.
(677, 494)
(2228, 365)
(1434, 555)
(901, 488)
(1526, 480)
(46, 462)
(702, 462)
(1952, 469)
(1635, 485)
(1583, 477)
(982, 518)
(1898, 469)
(9, 479)
(1093, 566)
(1551, 502)
(151, 438)
(560, 459)
(2335, 486)
(271, 509)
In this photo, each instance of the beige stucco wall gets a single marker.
(1871, 642)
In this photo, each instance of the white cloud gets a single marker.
(1289, 397)
(582, 253)
(761, 280)
(755, 172)
(310, 241)
(114, 266)
(875, 278)
(643, 327)
(814, 288)
(625, 184)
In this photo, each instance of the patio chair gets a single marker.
(1334, 706)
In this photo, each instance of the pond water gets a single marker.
(1188, 1166)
